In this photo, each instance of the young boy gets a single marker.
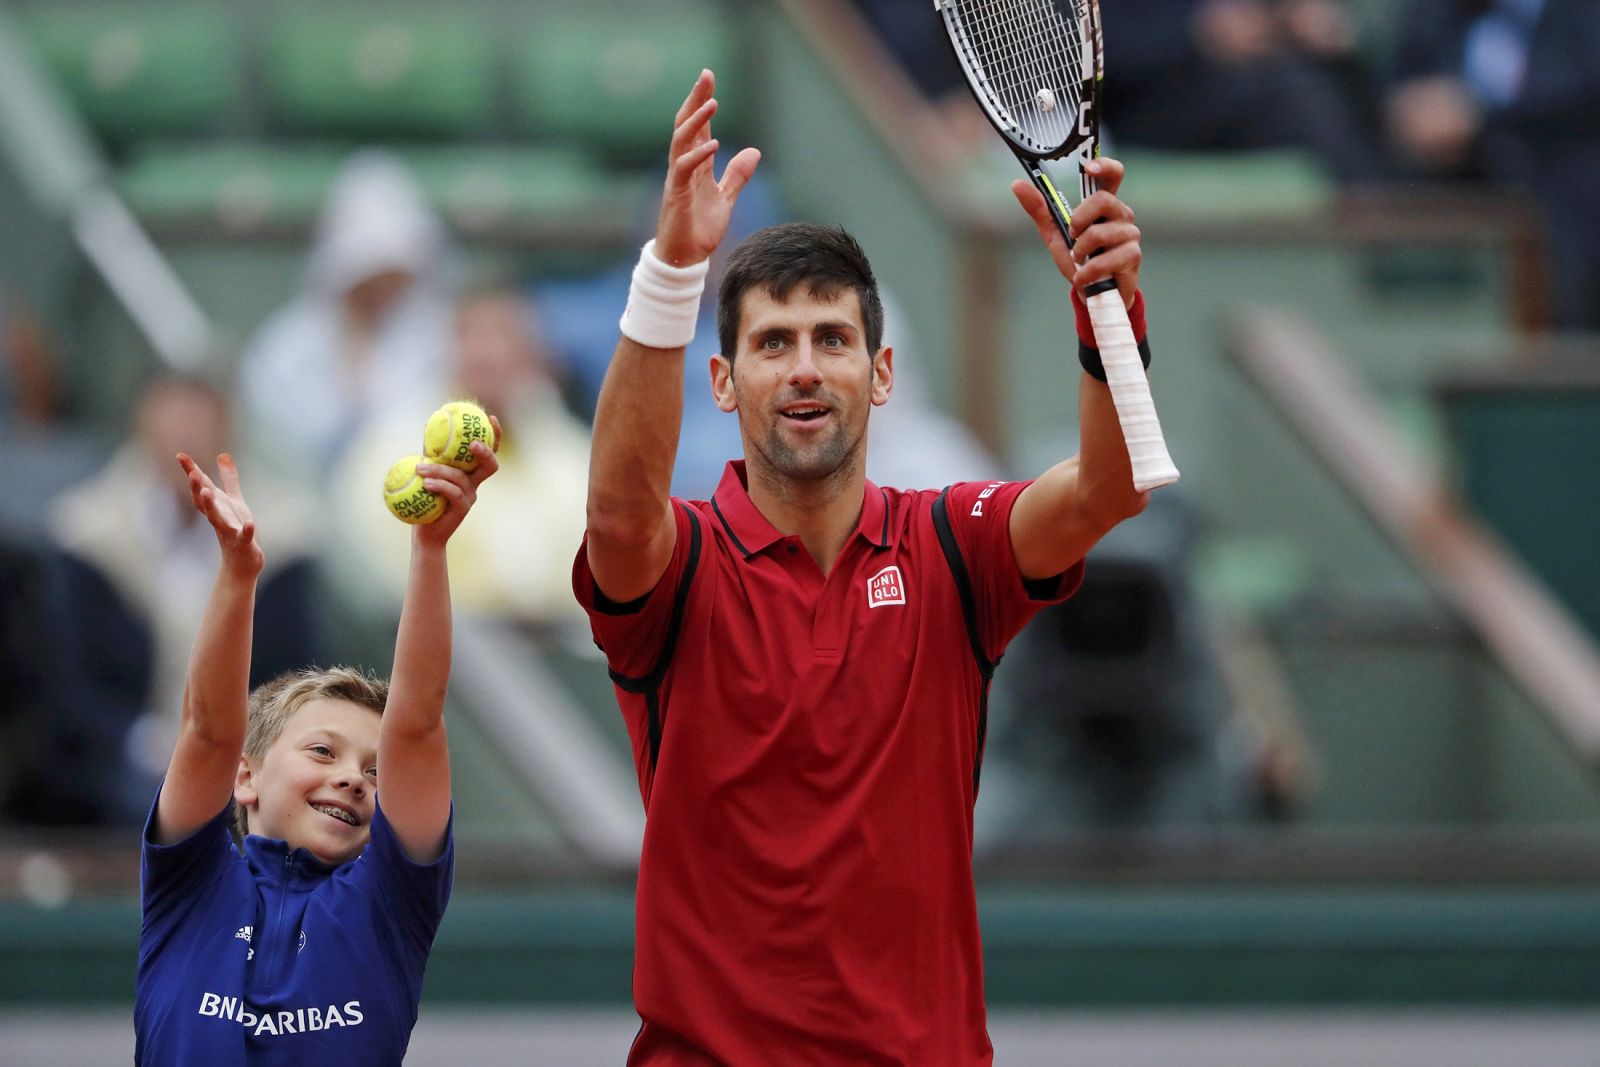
(310, 946)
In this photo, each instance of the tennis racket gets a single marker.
(1035, 67)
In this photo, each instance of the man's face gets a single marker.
(803, 382)
(316, 785)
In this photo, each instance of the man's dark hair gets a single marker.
(825, 259)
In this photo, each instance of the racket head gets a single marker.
(1034, 68)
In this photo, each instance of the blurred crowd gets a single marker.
(104, 564)
(1491, 93)
(331, 388)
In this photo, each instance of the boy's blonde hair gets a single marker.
(272, 703)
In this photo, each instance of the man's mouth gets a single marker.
(805, 412)
(344, 815)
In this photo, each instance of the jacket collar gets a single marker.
(275, 861)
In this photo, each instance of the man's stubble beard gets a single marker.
(825, 460)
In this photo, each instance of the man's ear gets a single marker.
(244, 784)
(882, 375)
(722, 384)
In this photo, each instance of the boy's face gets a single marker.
(315, 787)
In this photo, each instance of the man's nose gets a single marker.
(804, 373)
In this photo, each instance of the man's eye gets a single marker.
(833, 340)
(772, 344)
(322, 750)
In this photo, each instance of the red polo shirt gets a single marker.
(808, 750)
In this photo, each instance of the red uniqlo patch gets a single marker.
(885, 587)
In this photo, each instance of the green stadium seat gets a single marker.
(1179, 186)
(613, 83)
(378, 73)
(239, 188)
(487, 191)
(1263, 184)
(492, 189)
(137, 71)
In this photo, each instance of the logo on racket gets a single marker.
(886, 587)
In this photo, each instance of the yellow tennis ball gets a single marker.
(451, 431)
(407, 499)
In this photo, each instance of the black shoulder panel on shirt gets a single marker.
(651, 683)
(680, 600)
(969, 610)
(958, 569)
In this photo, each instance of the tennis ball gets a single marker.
(403, 492)
(1046, 100)
(451, 431)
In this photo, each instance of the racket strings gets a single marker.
(1020, 47)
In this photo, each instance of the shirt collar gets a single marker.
(752, 533)
(277, 862)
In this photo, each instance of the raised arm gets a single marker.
(199, 780)
(413, 754)
(1058, 518)
(631, 531)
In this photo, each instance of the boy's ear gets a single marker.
(244, 787)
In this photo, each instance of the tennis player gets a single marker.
(307, 944)
(803, 660)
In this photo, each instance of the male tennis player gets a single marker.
(803, 660)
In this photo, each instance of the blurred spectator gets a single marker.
(29, 390)
(24, 654)
(580, 321)
(1510, 90)
(47, 451)
(1198, 74)
(130, 552)
(368, 330)
(46, 455)
(515, 558)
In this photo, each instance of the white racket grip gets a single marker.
(1130, 392)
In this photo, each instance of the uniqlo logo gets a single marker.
(885, 587)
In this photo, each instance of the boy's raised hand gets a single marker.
(458, 487)
(226, 510)
(211, 735)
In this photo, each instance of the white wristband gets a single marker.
(663, 302)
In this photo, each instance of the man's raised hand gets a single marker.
(695, 207)
(1101, 224)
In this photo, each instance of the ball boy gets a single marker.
(307, 943)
